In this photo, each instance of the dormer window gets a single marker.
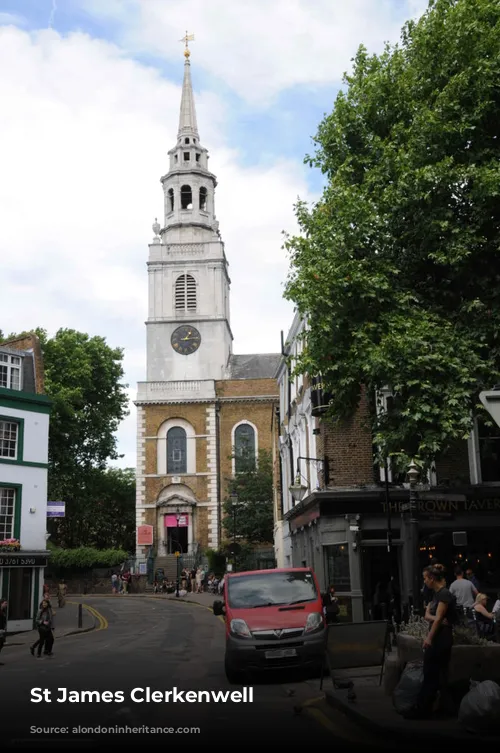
(186, 141)
(10, 371)
(186, 156)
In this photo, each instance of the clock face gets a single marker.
(185, 340)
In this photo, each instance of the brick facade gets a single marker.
(349, 448)
(237, 400)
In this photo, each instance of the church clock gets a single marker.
(185, 340)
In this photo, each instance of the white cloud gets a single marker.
(264, 46)
(84, 135)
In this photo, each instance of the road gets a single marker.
(155, 644)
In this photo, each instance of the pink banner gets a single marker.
(171, 521)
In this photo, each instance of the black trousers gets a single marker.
(436, 661)
(45, 641)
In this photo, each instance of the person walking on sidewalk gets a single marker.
(45, 624)
(62, 590)
(442, 615)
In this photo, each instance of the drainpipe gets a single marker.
(219, 502)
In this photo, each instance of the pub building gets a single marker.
(341, 528)
(24, 441)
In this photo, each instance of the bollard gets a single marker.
(80, 615)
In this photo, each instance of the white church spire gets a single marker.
(188, 125)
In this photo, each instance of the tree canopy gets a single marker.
(253, 518)
(397, 266)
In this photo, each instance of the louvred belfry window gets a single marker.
(185, 293)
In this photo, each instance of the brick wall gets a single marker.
(259, 414)
(156, 415)
(348, 447)
(453, 466)
(246, 387)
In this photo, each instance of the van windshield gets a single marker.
(271, 589)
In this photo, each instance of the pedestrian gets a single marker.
(3, 622)
(331, 607)
(114, 583)
(470, 576)
(62, 590)
(441, 615)
(45, 625)
(463, 590)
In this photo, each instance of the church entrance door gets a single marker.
(176, 534)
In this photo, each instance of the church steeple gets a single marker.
(188, 186)
(187, 268)
(188, 125)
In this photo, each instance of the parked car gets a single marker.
(274, 619)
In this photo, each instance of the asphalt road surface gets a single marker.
(161, 645)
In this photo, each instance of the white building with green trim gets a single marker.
(24, 449)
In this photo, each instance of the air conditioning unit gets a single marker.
(459, 538)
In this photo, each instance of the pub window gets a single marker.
(244, 448)
(337, 566)
(176, 450)
(489, 451)
(20, 593)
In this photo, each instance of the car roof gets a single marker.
(271, 570)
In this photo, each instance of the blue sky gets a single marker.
(90, 94)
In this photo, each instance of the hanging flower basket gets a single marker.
(10, 545)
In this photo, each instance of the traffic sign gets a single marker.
(491, 401)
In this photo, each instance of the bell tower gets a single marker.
(188, 329)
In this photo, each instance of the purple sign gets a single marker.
(56, 509)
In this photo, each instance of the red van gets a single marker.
(274, 618)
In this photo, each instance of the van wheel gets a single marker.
(234, 676)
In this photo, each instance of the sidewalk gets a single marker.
(65, 623)
(203, 599)
(374, 711)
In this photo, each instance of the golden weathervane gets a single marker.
(187, 38)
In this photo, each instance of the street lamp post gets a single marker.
(177, 518)
(234, 503)
(414, 536)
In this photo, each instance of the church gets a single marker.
(202, 408)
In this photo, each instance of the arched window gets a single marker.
(185, 293)
(186, 197)
(244, 448)
(203, 198)
(176, 450)
(170, 199)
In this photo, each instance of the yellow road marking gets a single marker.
(102, 623)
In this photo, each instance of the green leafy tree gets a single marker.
(100, 511)
(397, 267)
(252, 518)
